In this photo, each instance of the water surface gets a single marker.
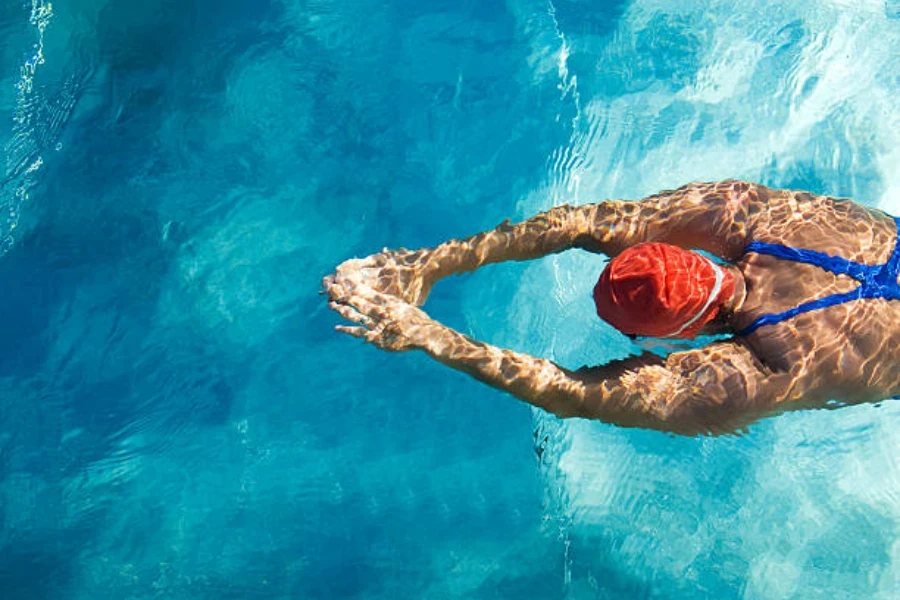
(177, 418)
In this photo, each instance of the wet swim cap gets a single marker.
(658, 290)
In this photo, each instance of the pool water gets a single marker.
(178, 418)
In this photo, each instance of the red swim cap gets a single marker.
(658, 290)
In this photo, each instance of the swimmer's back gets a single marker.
(849, 350)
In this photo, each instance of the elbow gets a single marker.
(562, 404)
(569, 411)
(701, 419)
(675, 418)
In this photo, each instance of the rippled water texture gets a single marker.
(177, 418)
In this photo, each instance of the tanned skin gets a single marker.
(848, 353)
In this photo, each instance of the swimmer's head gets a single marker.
(663, 291)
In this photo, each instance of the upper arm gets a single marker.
(714, 389)
(717, 217)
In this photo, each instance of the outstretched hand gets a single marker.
(381, 319)
(403, 274)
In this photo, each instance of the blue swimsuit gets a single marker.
(875, 281)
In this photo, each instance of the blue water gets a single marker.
(177, 417)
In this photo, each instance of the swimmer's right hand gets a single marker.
(386, 321)
(403, 274)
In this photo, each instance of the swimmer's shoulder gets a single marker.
(782, 214)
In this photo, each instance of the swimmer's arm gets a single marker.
(717, 217)
(716, 389)
(410, 275)
(556, 230)
(393, 325)
(537, 381)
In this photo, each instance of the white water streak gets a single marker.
(22, 162)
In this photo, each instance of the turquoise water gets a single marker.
(177, 417)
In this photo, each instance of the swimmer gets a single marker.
(804, 286)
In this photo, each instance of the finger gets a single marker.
(327, 282)
(361, 333)
(358, 332)
(339, 292)
(351, 313)
(368, 301)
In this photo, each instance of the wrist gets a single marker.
(440, 262)
(434, 339)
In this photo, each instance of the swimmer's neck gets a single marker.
(734, 305)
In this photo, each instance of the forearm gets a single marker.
(718, 217)
(614, 394)
(550, 232)
(537, 381)
(711, 389)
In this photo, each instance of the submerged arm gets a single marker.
(409, 275)
(558, 229)
(717, 388)
(717, 217)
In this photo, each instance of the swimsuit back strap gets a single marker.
(892, 267)
(833, 264)
(832, 300)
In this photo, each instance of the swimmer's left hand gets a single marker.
(403, 274)
(385, 321)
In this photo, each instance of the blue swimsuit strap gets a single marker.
(892, 268)
(876, 281)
